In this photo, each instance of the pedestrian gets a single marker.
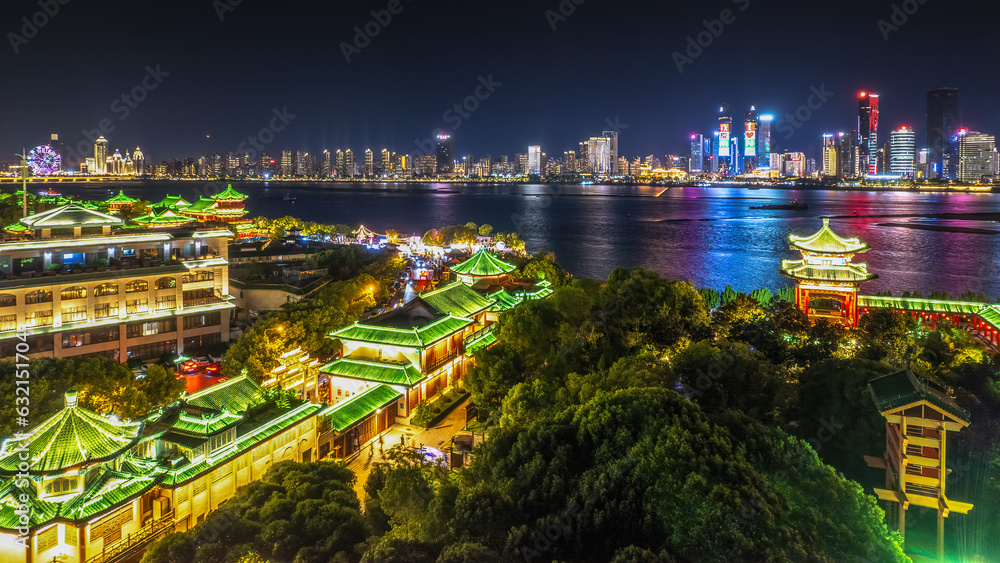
(371, 450)
(402, 437)
(381, 443)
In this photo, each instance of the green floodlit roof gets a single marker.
(201, 206)
(229, 194)
(205, 425)
(851, 273)
(71, 437)
(165, 217)
(349, 412)
(991, 315)
(379, 372)
(71, 215)
(122, 198)
(827, 242)
(15, 228)
(484, 341)
(417, 337)
(503, 301)
(40, 513)
(111, 489)
(921, 304)
(898, 390)
(457, 299)
(483, 263)
(234, 395)
(172, 201)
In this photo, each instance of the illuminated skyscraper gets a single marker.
(100, 156)
(725, 131)
(386, 162)
(599, 155)
(613, 141)
(327, 164)
(942, 123)
(764, 140)
(535, 160)
(830, 155)
(286, 163)
(697, 159)
(350, 168)
(341, 168)
(977, 156)
(868, 132)
(902, 151)
(750, 127)
(445, 163)
(369, 163)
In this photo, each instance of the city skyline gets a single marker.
(193, 110)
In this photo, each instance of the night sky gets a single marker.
(605, 60)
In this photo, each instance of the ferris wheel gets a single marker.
(43, 160)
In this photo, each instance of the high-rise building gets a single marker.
(599, 155)
(764, 139)
(697, 159)
(923, 170)
(386, 162)
(724, 144)
(100, 156)
(445, 148)
(750, 127)
(350, 166)
(977, 156)
(569, 161)
(535, 160)
(868, 132)
(326, 163)
(943, 122)
(902, 152)
(831, 155)
(369, 163)
(612, 137)
(341, 167)
(286, 163)
(849, 155)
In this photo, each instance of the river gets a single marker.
(705, 234)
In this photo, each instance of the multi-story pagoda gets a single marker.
(919, 416)
(119, 202)
(826, 281)
(483, 269)
(227, 207)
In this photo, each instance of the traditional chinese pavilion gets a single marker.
(483, 268)
(919, 416)
(227, 207)
(826, 281)
(119, 202)
(168, 218)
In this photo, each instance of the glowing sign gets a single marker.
(750, 139)
(723, 139)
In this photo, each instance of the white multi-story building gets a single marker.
(81, 285)
(977, 156)
(902, 152)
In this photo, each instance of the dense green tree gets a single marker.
(883, 335)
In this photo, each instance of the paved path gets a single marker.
(438, 436)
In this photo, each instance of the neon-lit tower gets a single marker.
(868, 131)
(725, 150)
(903, 150)
(750, 128)
(764, 140)
(697, 156)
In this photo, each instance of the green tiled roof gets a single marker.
(15, 228)
(205, 425)
(165, 217)
(71, 437)
(172, 201)
(854, 272)
(484, 341)
(483, 263)
(71, 215)
(827, 242)
(380, 372)
(417, 337)
(503, 301)
(234, 395)
(457, 299)
(201, 206)
(920, 304)
(903, 388)
(41, 511)
(347, 413)
(991, 315)
(122, 198)
(229, 194)
(111, 489)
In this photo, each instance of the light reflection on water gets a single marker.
(708, 235)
